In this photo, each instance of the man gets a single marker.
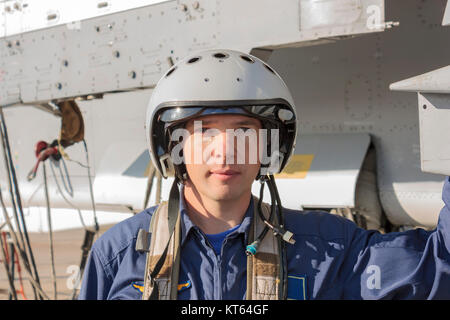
(214, 240)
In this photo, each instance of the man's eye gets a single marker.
(245, 129)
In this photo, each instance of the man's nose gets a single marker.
(222, 148)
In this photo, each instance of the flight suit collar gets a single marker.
(187, 225)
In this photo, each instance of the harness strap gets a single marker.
(162, 264)
(263, 268)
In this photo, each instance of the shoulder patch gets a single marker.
(296, 288)
(138, 285)
(183, 286)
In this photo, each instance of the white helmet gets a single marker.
(218, 82)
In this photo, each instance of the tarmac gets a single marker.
(67, 255)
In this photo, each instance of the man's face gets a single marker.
(221, 155)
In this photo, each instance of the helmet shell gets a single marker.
(214, 78)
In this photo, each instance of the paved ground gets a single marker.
(67, 251)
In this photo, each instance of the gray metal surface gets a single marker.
(339, 87)
(446, 19)
(436, 81)
(344, 87)
(19, 16)
(330, 180)
(434, 117)
(131, 49)
(433, 90)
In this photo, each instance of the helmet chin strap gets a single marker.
(276, 225)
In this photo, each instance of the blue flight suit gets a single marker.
(331, 259)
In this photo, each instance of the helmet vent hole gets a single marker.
(269, 68)
(170, 71)
(247, 58)
(193, 60)
(220, 55)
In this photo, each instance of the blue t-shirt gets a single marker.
(216, 239)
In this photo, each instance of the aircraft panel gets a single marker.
(25, 16)
(446, 20)
(326, 182)
(130, 49)
(340, 88)
(343, 87)
(436, 81)
(2, 19)
(434, 119)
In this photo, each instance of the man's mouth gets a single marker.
(224, 174)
